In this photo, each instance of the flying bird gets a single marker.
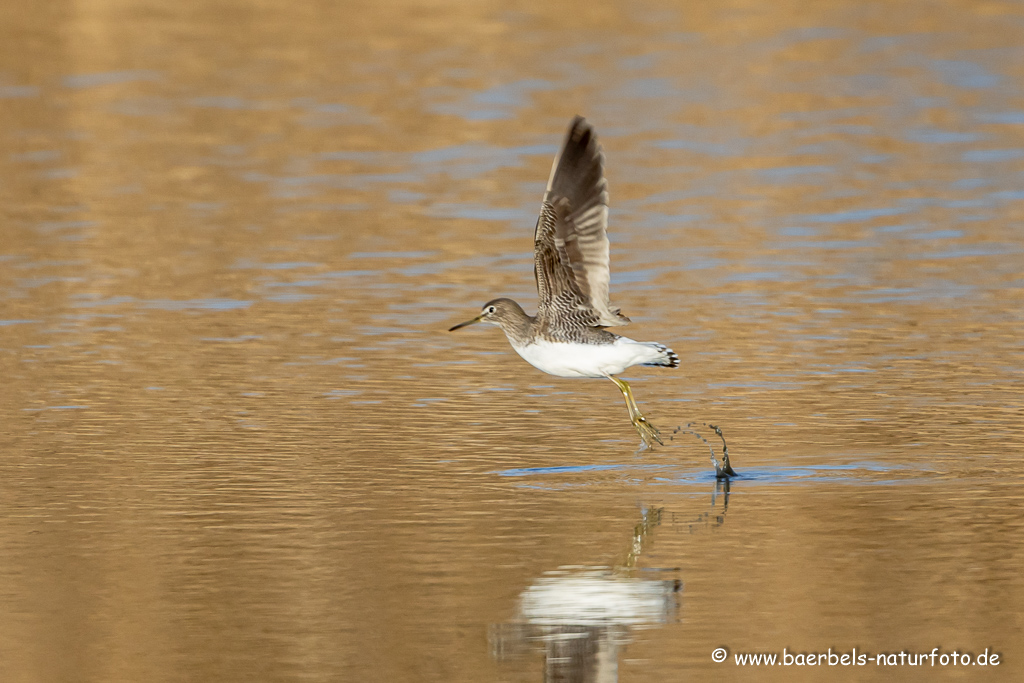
(569, 337)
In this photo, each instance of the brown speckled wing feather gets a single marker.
(571, 241)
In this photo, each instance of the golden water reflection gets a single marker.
(238, 444)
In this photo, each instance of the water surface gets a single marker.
(239, 445)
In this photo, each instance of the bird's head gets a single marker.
(497, 312)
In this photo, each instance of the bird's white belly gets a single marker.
(570, 359)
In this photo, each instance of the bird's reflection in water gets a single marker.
(582, 616)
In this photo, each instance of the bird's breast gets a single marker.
(572, 359)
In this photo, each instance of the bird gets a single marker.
(569, 337)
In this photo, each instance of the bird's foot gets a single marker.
(647, 431)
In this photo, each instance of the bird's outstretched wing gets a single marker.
(571, 241)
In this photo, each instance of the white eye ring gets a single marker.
(490, 309)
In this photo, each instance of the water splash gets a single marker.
(723, 469)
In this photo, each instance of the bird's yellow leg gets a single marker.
(647, 431)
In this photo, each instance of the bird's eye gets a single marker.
(490, 309)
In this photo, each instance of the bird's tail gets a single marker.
(666, 357)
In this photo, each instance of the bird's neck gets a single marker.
(520, 330)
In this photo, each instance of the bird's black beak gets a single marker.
(467, 323)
